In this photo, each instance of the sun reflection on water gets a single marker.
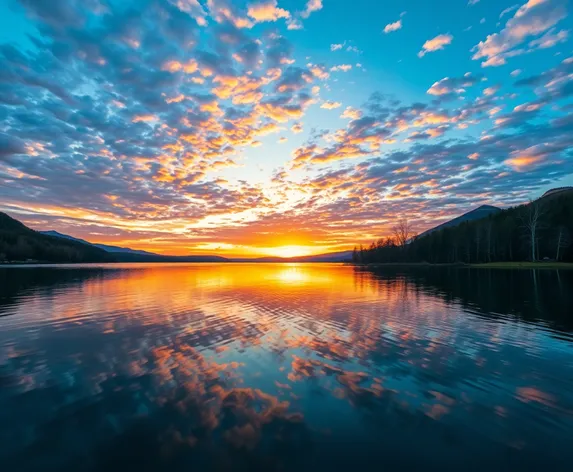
(225, 360)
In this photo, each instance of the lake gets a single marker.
(284, 367)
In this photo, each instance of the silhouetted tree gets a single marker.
(531, 223)
(402, 232)
(563, 241)
(355, 255)
(527, 232)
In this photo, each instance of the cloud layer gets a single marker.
(166, 135)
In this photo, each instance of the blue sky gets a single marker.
(242, 126)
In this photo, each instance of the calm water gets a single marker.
(284, 367)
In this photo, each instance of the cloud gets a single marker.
(266, 11)
(449, 85)
(319, 72)
(526, 159)
(341, 67)
(531, 19)
(393, 26)
(149, 126)
(294, 24)
(144, 118)
(508, 10)
(435, 44)
(549, 39)
(491, 90)
(10, 145)
(472, 2)
(516, 72)
(194, 8)
(296, 128)
(336, 47)
(311, 7)
(331, 105)
(351, 113)
(553, 84)
(226, 11)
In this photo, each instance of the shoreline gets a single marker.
(485, 265)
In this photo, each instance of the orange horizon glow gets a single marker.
(229, 250)
(235, 238)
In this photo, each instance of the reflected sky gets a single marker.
(283, 366)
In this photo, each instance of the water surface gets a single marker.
(284, 367)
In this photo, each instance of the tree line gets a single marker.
(539, 230)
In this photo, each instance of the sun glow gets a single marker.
(290, 251)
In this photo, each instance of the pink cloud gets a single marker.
(531, 19)
(435, 44)
(393, 26)
(266, 11)
(311, 6)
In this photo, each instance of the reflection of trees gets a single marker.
(44, 282)
(528, 295)
(162, 377)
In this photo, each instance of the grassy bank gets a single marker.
(524, 265)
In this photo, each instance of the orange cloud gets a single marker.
(330, 105)
(351, 113)
(521, 160)
(266, 11)
(393, 26)
(435, 44)
(189, 67)
(144, 118)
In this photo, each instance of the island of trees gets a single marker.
(540, 230)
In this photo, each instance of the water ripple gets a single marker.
(283, 367)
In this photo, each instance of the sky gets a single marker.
(277, 127)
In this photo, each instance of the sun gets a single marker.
(289, 251)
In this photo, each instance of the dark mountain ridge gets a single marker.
(105, 247)
(477, 214)
(20, 243)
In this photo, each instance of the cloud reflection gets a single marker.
(173, 366)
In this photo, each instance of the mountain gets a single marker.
(20, 243)
(124, 254)
(134, 257)
(504, 236)
(481, 212)
(105, 247)
(556, 191)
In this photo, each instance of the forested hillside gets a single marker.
(20, 243)
(539, 230)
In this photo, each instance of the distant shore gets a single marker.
(489, 265)
(524, 265)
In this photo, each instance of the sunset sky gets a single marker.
(277, 127)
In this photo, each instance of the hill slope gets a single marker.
(125, 254)
(481, 212)
(20, 243)
(504, 236)
(105, 247)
